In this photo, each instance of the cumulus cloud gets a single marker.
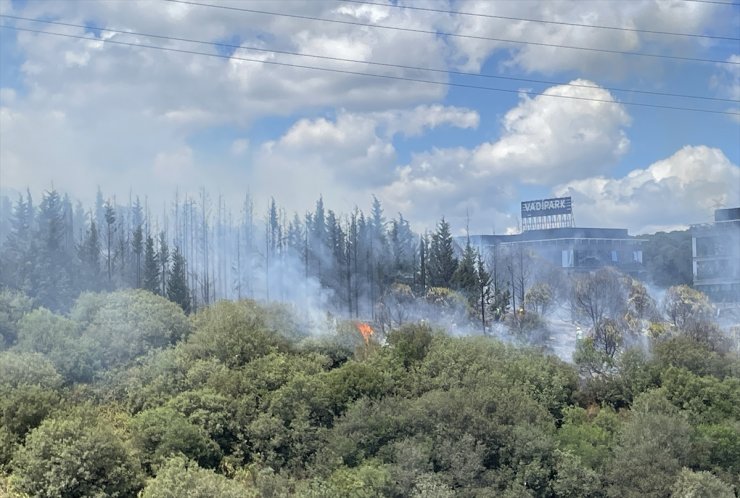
(671, 16)
(545, 139)
(415, 121)
(349, 156)
(91, 113)
(671, 193)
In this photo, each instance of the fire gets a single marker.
(366, 330)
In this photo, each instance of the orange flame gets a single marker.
(366, 330)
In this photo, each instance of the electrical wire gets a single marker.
(716, 2)
(372, 63)
(542, 21)
(374, 75)
(456, 35)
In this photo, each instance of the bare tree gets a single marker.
(600, 295)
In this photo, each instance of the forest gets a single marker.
(201, 354)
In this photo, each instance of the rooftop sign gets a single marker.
(546, 207)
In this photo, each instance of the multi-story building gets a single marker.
(575, 249)
(549, 232)
(716, 256)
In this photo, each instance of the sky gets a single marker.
(90, 110)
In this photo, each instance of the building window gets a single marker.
(614, 257)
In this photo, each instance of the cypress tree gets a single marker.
(423, 265)
(465, 278)
(18, 246)
(51, 283)
(151, 267)
(164, 261)
(89, 255)
(137, 241)
(442, 261)
(110, 219)
(177, 285)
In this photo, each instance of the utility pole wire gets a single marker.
(372, 63)
(542, 21)
(374, 75)
(456, 35)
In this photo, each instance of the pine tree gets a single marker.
(177, 285)
(402, 248)
(89, 255)
(442, 261)
(51, 281)
(20, 244)
(164, 261)
(465, 278)
(99, 208)
(317, 239)
(151, 267)
(137, 242)
(423, 266)
(110, 220)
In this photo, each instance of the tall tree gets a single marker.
(19, 247)
(423, 281)
(52, 280)
(110, 220)
(137, 242)
(151, 267)
(402, 249)
(89, 255)
(483, 282)
(465, 278)
(164, 261)
(442, 261)
(177, 285)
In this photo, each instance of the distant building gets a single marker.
(549, 232)
(716, 256)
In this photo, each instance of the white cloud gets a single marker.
(93, 113)
(239, 146)
(671, 16)
(726, 82)
(545, 140)
(414, 122)
(671, 193)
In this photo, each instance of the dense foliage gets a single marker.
(126, 396)
(668, 258)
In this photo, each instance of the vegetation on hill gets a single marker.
(126, 396)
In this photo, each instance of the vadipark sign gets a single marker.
(546, 207)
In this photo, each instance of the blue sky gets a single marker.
(83, 113)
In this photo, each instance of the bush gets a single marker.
(180, 477)
(13, 306)
(234, 333)
(127, 324)
(58, 338)
(27, 369)
(160, 433)
(76, 456)
(411, 343)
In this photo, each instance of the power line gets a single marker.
(456, 35)
(373, 63)
(716, 2)
(543, 21)
(374, 75)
